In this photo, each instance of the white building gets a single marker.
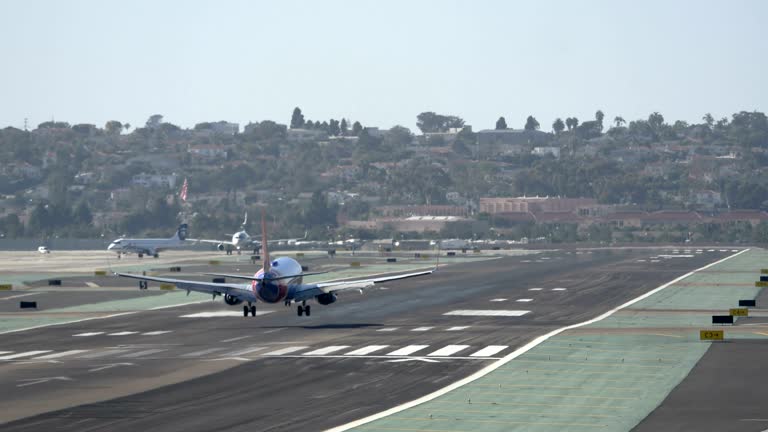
(155, 180)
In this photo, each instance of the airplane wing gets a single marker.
(211, 241)
(239, 290)
(307, 291)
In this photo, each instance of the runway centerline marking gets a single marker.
(388, 329)
(410, 349)
(122, 333)
(491, 312)
(457, 328)
(88, 334)
(535, 289)
(421, 329)
(237, 338)
(155, 333)
(559, 289)
(499, 300)
(524, 300)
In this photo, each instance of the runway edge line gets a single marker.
(518, 352)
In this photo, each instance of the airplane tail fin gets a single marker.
(264, 242)
(245, 220)
(181, 232)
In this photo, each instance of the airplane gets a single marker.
(279, 280)
(242, 240)
(149, 246)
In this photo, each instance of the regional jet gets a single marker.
(279, 280)
(242, 240)
(148, 246)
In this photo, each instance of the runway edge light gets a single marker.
(711, 334)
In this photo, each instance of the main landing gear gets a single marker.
(250, 308)
(303, 309)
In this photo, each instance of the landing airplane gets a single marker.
(279, 280)
(150, 246)
(241, 240)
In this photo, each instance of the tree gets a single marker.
(357, 128)
(501, 124)
(599, 116)
(655, 120)
(154, 121)
(82, 214)
(344, 127)
(113, 127)
(531, 124)
(558, 126)
(297, 119)
(333, 127)
(619, 121)
(429, 122)
(309, 124)
(572, 123)
(709, 120)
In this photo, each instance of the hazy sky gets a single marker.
(380, 62)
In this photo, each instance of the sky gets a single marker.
(379, 62)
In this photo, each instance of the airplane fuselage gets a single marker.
(277, 291)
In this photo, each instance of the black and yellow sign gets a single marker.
(99, 272)
(761, 284)
(764, 271)
(711, 334)
(739, 312)
(167, 287)
(6, 287)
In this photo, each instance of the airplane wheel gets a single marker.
(245, 311)
(253, 310)
(141, 255)
(300, 310)
(306, 310)
(156, 255)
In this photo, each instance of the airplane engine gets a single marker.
(220, 246)
(326, 299)
(231, 300)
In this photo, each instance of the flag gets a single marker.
(183, 193)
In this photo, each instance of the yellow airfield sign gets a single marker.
(711, 334)
(761, 284)
(764, 271)
(739, 312)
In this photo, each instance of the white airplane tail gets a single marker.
(264, 242)
(181, 232)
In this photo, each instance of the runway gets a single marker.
(205, 367)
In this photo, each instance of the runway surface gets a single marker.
(176, 369)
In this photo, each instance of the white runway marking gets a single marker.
(88, 334)
(676, 256)
(734, 250)
(535, 289)
(710, 250)
(524, 300)
(457, 328)
(23, 354)
(559, 289)
(499, 300)
(60, 354)
(469, 312)
(244, 351)
(221, 314)
(5, 352)
(448, 350)
(285, 350)
(20, 295)
(236, 338)
(388, 329)
(367, 350)
(155, 333)
(410, 349)
(327, 350)
(122, 333)
(203, 352)
(421, 329)
(104, 353)
(489, 351)
(640, 260)
(654, 261)
(143, 353)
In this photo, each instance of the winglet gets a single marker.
(264, 243)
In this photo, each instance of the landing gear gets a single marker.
(303, 309)
(156, 255)
(250, 308)
(141, 255)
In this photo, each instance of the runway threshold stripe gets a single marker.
(327, 350)
(60, 354)
(24, 354)
(244, 351)
(367, 350)
(143, 353)
(489, 351)
(448, 350)
(284, 351)
(203, 352)
(410, 349)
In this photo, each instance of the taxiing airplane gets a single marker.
(279, 280)
(148, 246)
(242, 240)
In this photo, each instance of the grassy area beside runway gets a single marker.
(608, 375)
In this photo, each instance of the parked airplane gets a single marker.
(279, 280)
(150, 246)
(241, 240)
